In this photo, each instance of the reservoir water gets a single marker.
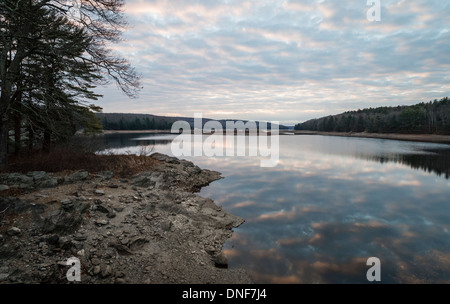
(329, 205)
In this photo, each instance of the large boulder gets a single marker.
(76, 177)
(16, 180)
(66, 219)
(42, 179)
(31, 180)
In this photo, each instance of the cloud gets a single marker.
(283, 60)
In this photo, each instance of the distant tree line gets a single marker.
(425, 118)
(52, 55)
(135, 123)
(128, 121)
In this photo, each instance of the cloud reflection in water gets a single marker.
(332, 203)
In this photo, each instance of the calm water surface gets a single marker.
(329, 205)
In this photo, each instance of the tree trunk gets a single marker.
(9, 71)
(4, 127)
(3, 144)
(47, 141)
(17, 133)
(30, 138)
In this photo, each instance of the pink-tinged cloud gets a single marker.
(282, 60)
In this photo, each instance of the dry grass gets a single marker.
(65, 159)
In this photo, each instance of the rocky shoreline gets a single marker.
(151, 228)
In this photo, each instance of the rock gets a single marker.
(48, 183)
(76, 177)
(53, 240)
(4, 187)
(99, 192)
(67, 219)
(100, 222)
(36, 175)
(107, 271)
(61, 263)
(165, 158)
(106, 175)
(4, 273)
(210, 249)
(66, 203)
(220, 260)
(137, 243)
(142, 181)
(80, 237)
(13, 205)
(118, 208)
(65, 243)
(7, 251)
(101, 208)
(120, 274)
(14, 231)
(78, 245)
(16, 179)
(109, 253)
(166, 225)
(104, 209)
(121, 249)
(43, 180)
(96, 270)
(111, 214)
(66, 226)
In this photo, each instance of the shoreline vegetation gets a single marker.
(432, 117)
(432, 138)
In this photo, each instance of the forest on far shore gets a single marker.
(424, 118)
(130, 121)
(125, 121)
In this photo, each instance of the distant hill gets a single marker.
(423, 118)
(127, 121)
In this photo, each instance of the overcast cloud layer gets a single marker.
(285, 61)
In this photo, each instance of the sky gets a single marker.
(282, 60)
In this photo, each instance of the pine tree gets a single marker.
(50, 60)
